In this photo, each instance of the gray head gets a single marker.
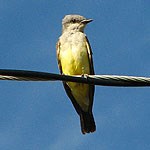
(74, 22)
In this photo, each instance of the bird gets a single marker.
(74, 55)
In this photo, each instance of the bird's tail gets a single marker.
(87, 122)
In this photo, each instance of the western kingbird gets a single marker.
(74, 56)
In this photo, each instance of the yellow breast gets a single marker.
(75, 61)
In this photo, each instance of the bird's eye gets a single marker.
(73, 20)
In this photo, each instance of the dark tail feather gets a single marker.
(87, 122)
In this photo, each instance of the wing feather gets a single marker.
(58, 44)
(92, 87)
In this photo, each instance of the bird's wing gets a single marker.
(58, 54)
(90, 56)
(92, 87)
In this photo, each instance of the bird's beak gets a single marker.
(86, 21)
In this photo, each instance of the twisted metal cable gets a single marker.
(103, 80)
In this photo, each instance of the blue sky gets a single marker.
(39, 115)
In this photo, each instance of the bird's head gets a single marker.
(74, 22)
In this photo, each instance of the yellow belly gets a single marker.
(75, 61)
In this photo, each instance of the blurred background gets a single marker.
(39, 115)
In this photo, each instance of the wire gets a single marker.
(103, 80)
